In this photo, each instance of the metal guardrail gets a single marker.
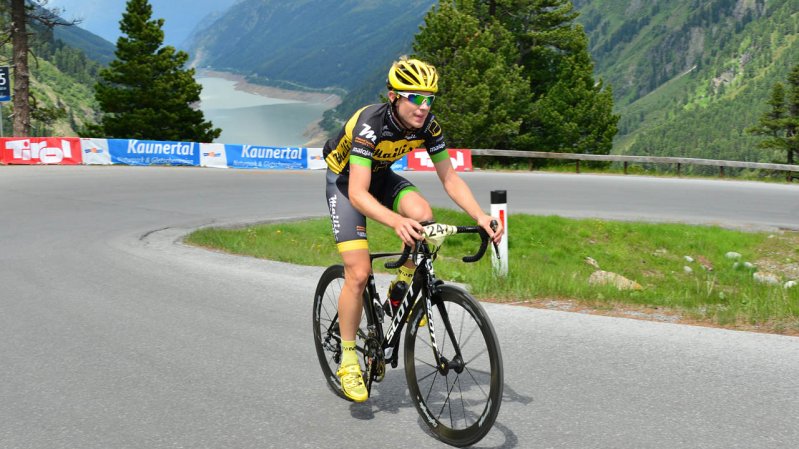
(678, 161)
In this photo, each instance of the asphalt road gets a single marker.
(115, 335)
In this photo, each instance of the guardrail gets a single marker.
(678, 161)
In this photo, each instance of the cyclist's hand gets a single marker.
(409, 230)
(485, 222)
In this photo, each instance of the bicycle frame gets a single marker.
(425, 284)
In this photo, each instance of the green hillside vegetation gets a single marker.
(62, 86)
(95, 47)
(690, 77)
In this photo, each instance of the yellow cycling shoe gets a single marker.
(352, 382)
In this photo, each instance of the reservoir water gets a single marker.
(247, 118)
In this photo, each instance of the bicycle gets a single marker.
(455, 380)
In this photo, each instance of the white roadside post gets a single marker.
(499, 209)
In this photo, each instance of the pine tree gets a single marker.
(146, 93)
(516, 74)
(780, 124)
(792, 121)
(574, 115)
(482, 93)
(771, 123)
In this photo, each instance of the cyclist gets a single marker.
(360, 183)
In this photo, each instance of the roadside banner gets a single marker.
(148, 152)
(401, 164)
(271, 158)
(95, 151)
(315, 159)
(419, 160)
(40, 150)
(213, 155)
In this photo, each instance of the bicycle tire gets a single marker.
(459, 408)
(325, 326)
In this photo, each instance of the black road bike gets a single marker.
(453, 363)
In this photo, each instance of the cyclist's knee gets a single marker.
(356, 271)
(416, 207)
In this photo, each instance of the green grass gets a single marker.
(547, 262)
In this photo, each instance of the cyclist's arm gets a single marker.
(459, 191)
(360, 178)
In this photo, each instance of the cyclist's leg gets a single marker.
(349, 228)
(350, 304)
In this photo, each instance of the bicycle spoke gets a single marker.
(427, 397)
(476, 382)
(483, 351)
(426, 363)
(446, 401)
(463, 405)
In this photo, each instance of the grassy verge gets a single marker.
(547, 265)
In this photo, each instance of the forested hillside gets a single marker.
(688, 76)
(62, 80)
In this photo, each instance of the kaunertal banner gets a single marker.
(149, 152)
(279, 158)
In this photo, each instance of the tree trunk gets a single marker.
(19, 42)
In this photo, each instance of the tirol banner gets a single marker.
(252, 156)
(148, 152)
(419, 160)
(40, 150)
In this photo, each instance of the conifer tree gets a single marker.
(541, 87)
(780, 124)
(771, 123)
(482, 92)
(792, 121)
(146, 92)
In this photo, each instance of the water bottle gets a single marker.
(396, 293)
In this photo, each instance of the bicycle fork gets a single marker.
(442, 363)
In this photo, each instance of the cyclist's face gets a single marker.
(411, 115)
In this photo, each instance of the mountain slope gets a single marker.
(95, 47)
(315, 43)
(690, 77)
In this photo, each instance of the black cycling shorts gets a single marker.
(349, 225)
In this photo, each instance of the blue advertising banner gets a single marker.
(400, 164)
(252, 156)
(148, 152)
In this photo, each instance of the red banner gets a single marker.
(419, 160)
(40, 150)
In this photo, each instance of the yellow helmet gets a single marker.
(412, 74)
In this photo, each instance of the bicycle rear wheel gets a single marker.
(459, 395)
(327, 338)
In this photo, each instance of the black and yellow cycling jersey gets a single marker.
(373, 138)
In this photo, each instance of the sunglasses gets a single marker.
(418, 99)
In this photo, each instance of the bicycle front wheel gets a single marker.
(327, 337)
(458, 395)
